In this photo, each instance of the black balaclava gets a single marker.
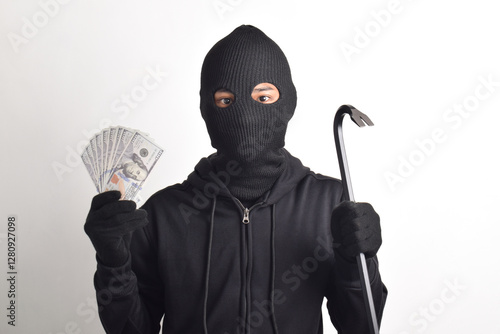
(247, 131)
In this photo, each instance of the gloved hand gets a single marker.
(356, 229)
(110, 224)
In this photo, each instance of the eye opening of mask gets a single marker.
(265, 93)
(223, 98)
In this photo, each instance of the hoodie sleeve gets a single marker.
(130, 297)
(346, 304)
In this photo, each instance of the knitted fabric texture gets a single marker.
(247, 131)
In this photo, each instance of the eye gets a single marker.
(223, 98)
(265, 93)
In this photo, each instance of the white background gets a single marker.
(407, 70)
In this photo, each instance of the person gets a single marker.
(128, 168)
(252, 241)
(134, 168)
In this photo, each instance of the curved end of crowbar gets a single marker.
(356, 116)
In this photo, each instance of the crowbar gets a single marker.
(360, 119)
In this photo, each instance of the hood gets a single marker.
(212, 183)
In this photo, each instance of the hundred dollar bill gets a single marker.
(116, 144)
(116, 139)
(133, 165)
(100, 156)
(121, 145)
(121, 159)
(93, 148)
(105, 146)
(91, 160)
(88, 164)
(110, 152)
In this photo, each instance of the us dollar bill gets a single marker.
(134, 166)
(121, 159)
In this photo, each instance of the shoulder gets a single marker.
(315, 185)
(322, 180)
(298, 173)
(168, 196)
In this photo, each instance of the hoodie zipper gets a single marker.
(246, 216)
(248, 265)
(246, 211)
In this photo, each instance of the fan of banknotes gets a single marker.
(121, 159)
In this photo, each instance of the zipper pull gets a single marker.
(246, 216)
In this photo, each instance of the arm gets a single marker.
(355, 229)
(129, 292)
(346, 305)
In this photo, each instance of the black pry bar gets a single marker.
(360, 119)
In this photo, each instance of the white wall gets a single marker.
(412, 74)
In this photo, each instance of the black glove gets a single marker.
(110, 224)
(356, 229)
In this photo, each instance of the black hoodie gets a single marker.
(208, 264)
